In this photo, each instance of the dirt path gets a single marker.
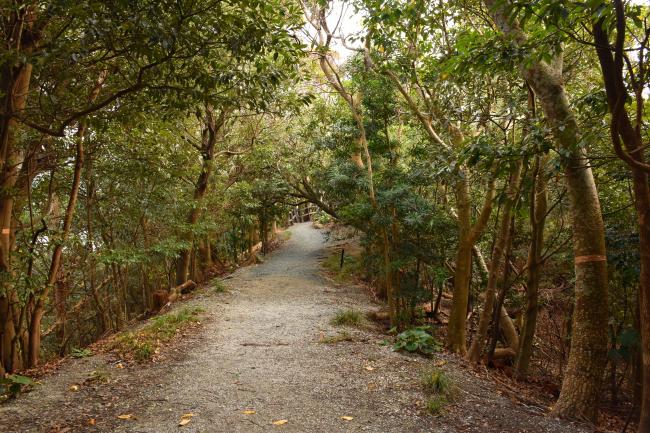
(261, 351)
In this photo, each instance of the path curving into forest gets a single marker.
(261, 351)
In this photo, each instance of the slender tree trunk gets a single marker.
(53, 275)
(633, 154)
(104, 320)
(468, 234)
(354, 103)
(538, 209)
(497, 264)
(456, 329)
(212, 126)
(55, 264)
(503, 285)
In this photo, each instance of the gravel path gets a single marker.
(261, 351)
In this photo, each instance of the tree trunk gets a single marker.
(538, 209)
(456, 328)
(15, 92)
(55, 264)
(468, 234)
(621, 128)
(211, 127)
(496, 264)
(588, 355)
(53, 275)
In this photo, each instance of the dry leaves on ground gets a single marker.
(280, 422)
(185, 419)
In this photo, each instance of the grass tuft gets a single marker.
(440, 390)
(348, 318)
(219, 287)
(99, 376)
(436, 404)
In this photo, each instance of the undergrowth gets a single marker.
(142, 344)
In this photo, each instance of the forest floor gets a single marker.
(266, 352)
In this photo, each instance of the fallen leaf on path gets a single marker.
(185, 419)
(347, 418)
(369, 368)
(440, 363)
(280, 422)
(126, 416)
(74, 388)
(92, 421)
(119, 365)
(248, 412)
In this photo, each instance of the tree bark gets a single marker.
(15, 86)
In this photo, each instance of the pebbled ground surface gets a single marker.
(260, 349)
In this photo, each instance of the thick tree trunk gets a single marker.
(17, 85)
(588, 355)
